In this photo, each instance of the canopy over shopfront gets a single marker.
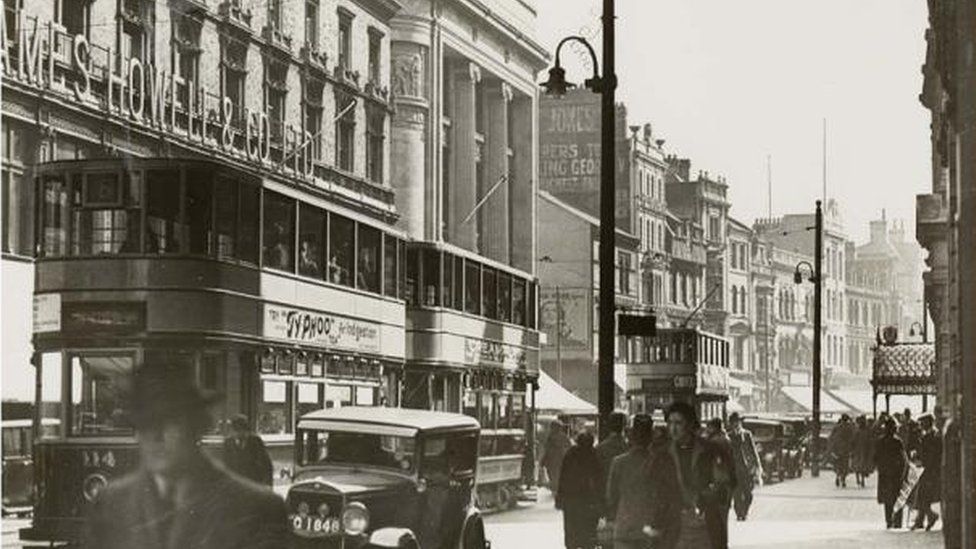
(553, 397)
(802, 398)
(903, 369)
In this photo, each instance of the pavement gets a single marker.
(804, 513)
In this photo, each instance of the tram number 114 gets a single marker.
(98, 459)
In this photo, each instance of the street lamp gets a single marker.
(606, 87)
(816, 277)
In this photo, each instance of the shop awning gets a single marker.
(553, 397)
(904, 369)
(803, 396)
(857, 399)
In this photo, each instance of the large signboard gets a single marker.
(320, 329)
(493, 353)
(569, 154)
(47, 313)
(565, 316)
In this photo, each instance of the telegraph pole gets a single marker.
(608, 166)
(817, 336)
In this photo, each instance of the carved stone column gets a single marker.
(409, 141)
(463, 181)
(494, 214)
(522, 186)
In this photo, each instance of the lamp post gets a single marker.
(816, 276)
(606, 86)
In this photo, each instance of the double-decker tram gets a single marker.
(268, 293)
(473, 347)
(683, 364)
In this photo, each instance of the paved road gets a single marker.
(801, 514)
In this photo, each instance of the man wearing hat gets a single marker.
(178, 497)
(245, 454)
(748, 466)
(630, 503)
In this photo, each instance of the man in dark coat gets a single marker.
(629, 496)
(725, 475)
(841, 445)
(613, 444)
(930, 483)
(687, 484)
(580, 493)
(178, 498)
(748, 466)
(245, 454)
(892, 462)
(863, 458)
(553, 453)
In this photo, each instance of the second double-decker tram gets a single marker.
(267, 293)
(473, 347)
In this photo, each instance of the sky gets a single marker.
(730, 83)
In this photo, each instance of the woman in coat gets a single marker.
(580, 493)
(557, 444)
(863, 450)
(892, 463)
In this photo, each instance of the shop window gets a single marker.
(368, 258)
(279, 231)
(308, 398)
(389, 266)
(342, 234)
(54, 213)
(163, 229)
(504, 297)
(518, 301)
(311, 240)
(99, 385)
(337, 396)
(249, 230)
(447, 279)
(472, 287)
(199, 191)
(432, 276)
(413, 276)
(225, 222)
(489, 277)
(274, 408)
(416, 391)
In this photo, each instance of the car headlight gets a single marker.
(355, 518)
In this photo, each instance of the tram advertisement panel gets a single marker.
(334, 332)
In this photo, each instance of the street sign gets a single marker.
(637, 325)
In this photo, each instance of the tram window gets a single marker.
(517, 417)
(469, 405)
(472, 287)
(432, 276)
(199, 195)
(365, 396)
(225, 222)
(309, 398)
(518, 301)
(337, 396)
(163, 211)
(487, 413)
(504, 411)
(389, 266)
(489, 278)
(341, 251)
(311, 240)
(401, 269)
(98, 388)
(413, 276)
(532, 305)
(54, 215)
(250, 214)
(279, 231)
(101, 223)
(416, 393)
(447, 278)
(368, 258)
(274, 408)
(51, 384)
(504, 297)
(458, 284)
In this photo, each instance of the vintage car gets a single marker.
(374, 477)
(770, 438)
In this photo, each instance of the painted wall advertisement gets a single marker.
(565, 315)
(320, 329)
(569, 153)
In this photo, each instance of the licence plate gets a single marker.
(310, 526)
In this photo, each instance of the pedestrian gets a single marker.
(613, 444)
(930, 483)
(629, 496)
(951, 488)
(245, 454)
(863, 459)
(748, 467)
(557, 443)
(892, 464)
(724, 475)
(908, 433)
(580, 493)
(687, 492)
(841, 446)
(177, 497)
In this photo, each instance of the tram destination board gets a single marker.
(637, 325)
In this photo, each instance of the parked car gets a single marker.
(770, 438)
(372, 477)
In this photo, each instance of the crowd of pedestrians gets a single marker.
(647, 487)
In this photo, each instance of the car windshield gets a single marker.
(366, 449)
(763, 432)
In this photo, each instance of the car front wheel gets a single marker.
(474, 535)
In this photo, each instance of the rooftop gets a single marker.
(421, 420)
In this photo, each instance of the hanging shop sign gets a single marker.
(47, 313)
(70, 66)
(493, 353)
(320, 329)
